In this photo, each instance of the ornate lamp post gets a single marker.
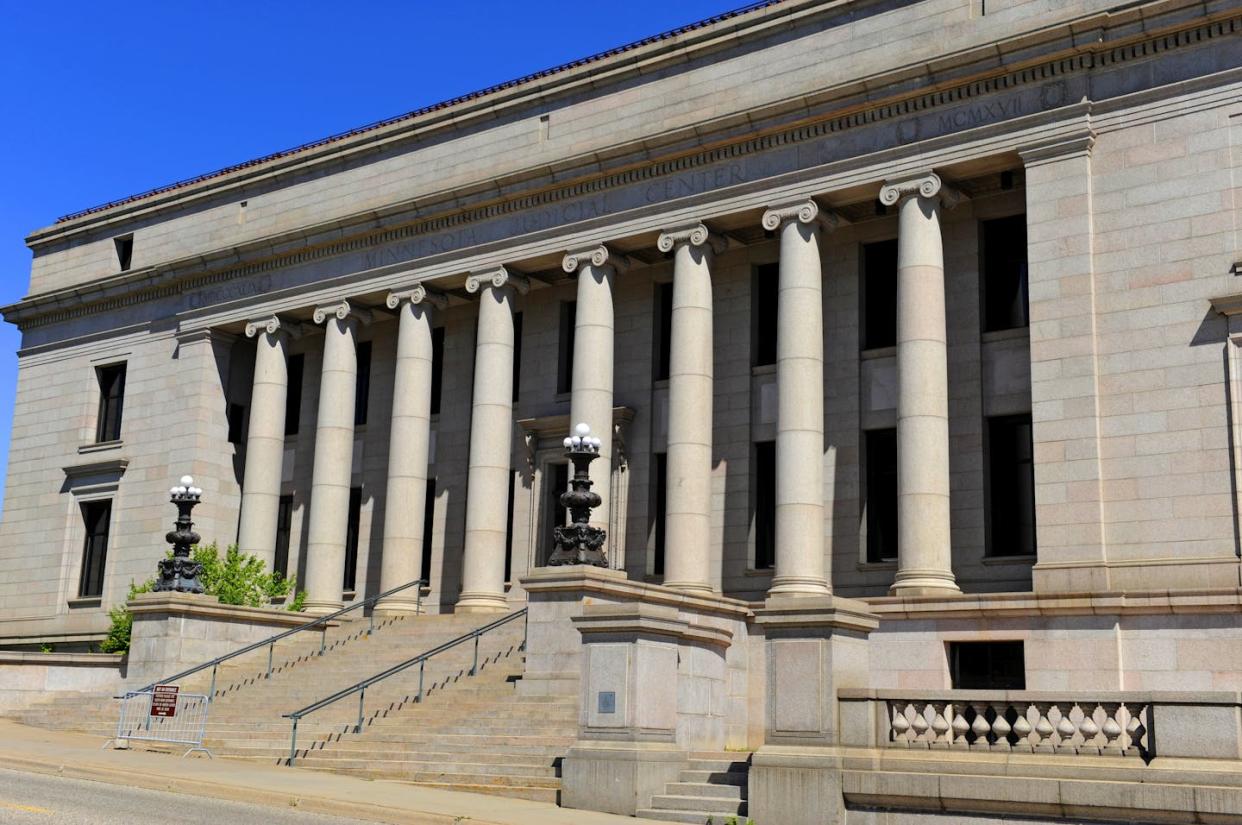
(179, 572)
(578, 542)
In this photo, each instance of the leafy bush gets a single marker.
(234, 579)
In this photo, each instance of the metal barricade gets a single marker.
(186, 726)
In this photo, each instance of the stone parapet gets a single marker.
(27, 678)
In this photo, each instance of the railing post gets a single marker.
(293, 742)
(421, 665)
(269, 659)
(475, 668)
(371, 627)
(323, 638)
(211, 692)
(362, 695)
(418, 599)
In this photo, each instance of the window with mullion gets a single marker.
(111, 402)
(96, 516)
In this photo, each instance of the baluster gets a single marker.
(1112, 730)
(981, 727)
(920, 727)
(1089, 729)
(900, 727)
(1135, 731)
(1066, 729)
(1022, 727)
(940, 725)
(959, 727)
(1001, 729)
(1043, 729)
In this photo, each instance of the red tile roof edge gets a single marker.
(508, 84)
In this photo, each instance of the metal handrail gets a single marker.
(272, 640)
(421, 660)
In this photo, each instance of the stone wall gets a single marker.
(30, 678)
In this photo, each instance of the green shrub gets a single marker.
(117, 640)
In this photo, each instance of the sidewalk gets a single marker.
(79, 756)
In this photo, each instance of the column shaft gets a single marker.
(265, 445)
(687, 513)
(591, 399)
(409, 443)
(800, 415)
(333, 467)
(490, 474)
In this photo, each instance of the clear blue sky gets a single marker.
(102, 100)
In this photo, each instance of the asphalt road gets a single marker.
(37, 799)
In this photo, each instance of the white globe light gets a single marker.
(596, 443)
(186, 481)
(172, 491)
(195, 491)
(576, 441)
(582, 429)
(179, 490)
(569, 442)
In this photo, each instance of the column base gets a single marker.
(322, 608)
(481, 603)
(798, 586)
(924, 583)
(690, 587)
(395, 606)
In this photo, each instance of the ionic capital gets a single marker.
(803, 211)
(496, 277)
(272, 325)
(922, 185)
(418, 294)
(341, 310)
(694, 234)
(598, 255)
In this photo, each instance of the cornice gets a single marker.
(174, 277)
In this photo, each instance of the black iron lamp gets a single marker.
(179, 572)
(578, 542)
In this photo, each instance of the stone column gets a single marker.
(591, 398)
(491, 431)
(800, 563)
(687, 512)
(409, 443)
(924, 550)
(265, 440)
(334, 452)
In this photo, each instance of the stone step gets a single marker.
(714, 777)
(711, 805)
(543, 757)
(693, 817)
(511, 791)
(706, 789)
(719, 765)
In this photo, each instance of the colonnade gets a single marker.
(801, 569)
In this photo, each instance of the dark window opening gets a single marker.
(1011, 486)
(437, 367)
(237, 423)
(556, 513)
(565, 359)
(880, 465)
(765, 505)
(879, 294)
(661, 498)
(124, 251)
(509, 535)
(293, 394)
(987, 666)
(362, 384)
(517, 355)
(111, 401)
(429, 520)
(764, 289)
(351, 539)
(284, 528)
(1004, 280)
(663, 330)
(95, 518)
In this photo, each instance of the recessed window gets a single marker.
(362, 385)
(880, 466)
(96, 516)
(509, 535)
(237, 423)
(293, 394)
(764, 289)
(555, 514)
(351, 538)
(1011, 486)
(1004, 275)
(437, 367)
(659, 497)
(765, 505)
(111, 402)
(879, 265)
(124, 251)
(565, 352)
(429, 518)
(284, 527)
(663, 348)
(987, 666)
(517, 356)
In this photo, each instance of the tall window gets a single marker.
(660, 496)
(663, 330)
(509, 535)
(284, 527)
(879, 294)
(124, 251)
(565, 359)
(555, 513)
(111, 399)
(293, 394)
(362, 386)
(437, 367)
(1004, 280)
(764, 288)
(517, 355)
(880, 464)
(95, 518)
(429, 517)
(351, 538)
(1011, 486)
(765, 505)
(987, 665)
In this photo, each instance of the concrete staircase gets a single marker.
(469, 733)
(712, 788)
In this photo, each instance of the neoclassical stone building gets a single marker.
(928, 306)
